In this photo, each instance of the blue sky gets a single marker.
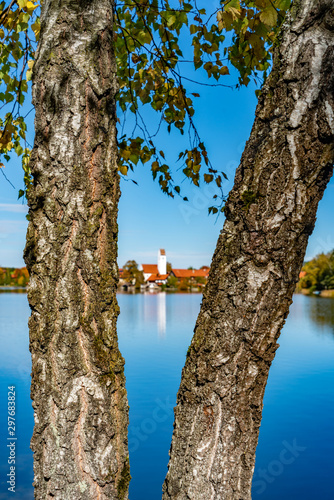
(148, 219)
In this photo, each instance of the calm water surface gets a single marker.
(295, 452)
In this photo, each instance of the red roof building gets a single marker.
(190, 273)
(150, 268)
(159, 279)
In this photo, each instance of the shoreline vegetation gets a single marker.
(13, 277)
(317, 276)
(323, 293)
(315, 279)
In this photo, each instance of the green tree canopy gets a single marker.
(318, 273)
(132, 274)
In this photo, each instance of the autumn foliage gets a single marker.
(9, 276)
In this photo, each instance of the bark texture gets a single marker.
(270, 213)
(78, 384)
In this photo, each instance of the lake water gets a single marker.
(295, 452)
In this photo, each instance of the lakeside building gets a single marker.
(183, 274)
(148, 270)
(156, 275)
(158, 279)
(159, 269)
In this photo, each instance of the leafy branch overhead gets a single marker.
(152, 74)
(19, 31)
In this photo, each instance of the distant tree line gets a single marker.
(132, 274)
(318, 273)
(10, 276)
(186, 284)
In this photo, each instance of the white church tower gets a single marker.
(162, 262)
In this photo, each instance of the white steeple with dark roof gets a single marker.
(162, 262)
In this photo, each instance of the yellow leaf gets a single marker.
(126, 153)
(36, 27)
(123, 169)
(30, 7)
(30, 63)
(22, 3)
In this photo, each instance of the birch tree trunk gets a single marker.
(270, 213)
(78, 384)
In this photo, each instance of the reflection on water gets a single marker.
(154, 311)
(321, 311)
(15, 368)
(294, 456)
(161, 313)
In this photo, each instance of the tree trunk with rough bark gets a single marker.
(270, 213)
(78, 385)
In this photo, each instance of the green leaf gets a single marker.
(269, 16)
(18, 150)
(171, 19)
(232, 4)
(283, 4)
